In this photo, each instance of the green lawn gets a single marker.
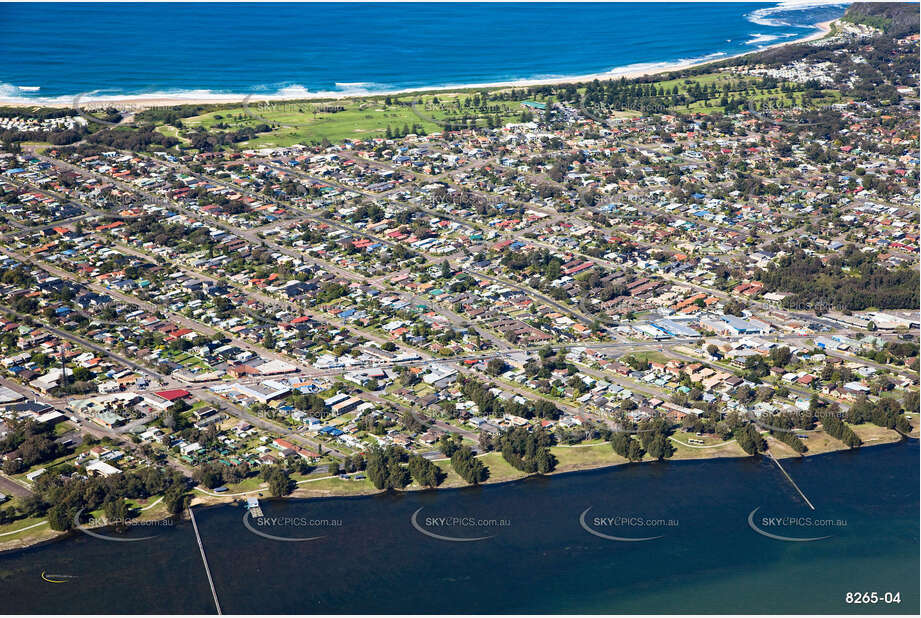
(579, 457)
(337, 487)
(721, 80)
(707, 439)
(499, 469)
(19, 524)
(61, 428)
(170, 131)
(651, 356)
(250, 484)
(312, 121)
(728, 450)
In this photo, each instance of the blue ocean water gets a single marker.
(294, 49)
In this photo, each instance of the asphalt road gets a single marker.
(12, 488)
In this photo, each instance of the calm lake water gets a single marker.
(537, 559)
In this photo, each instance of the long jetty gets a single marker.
(204, 560)
(792, 482)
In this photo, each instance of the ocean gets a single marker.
(53, 52)
(540, 554)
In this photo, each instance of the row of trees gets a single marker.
(61, 497)
(468, 466)
(749, 439)
(781, 427)
(815, 283)
(527, 451)
(886, 413)
(424, 472)
(385, 467)
(654, 436)
(491, 405)
(625, 446)
(28, 443)
(836, 428)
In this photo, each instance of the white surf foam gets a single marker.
(763, 17)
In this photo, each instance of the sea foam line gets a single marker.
(762, 17)
(346, 89)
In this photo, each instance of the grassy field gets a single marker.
(774, 96)
(499, 470)
(570, 458)
(26, 537)
(171, 131)
(872, 434)
(707, 439)
(334, 487)
(308, 122)
(730, 449)
(651, 356)
(249, 484)
(779, 449)
(817, 441)
(61, 428)
(771, 98)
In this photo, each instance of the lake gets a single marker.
(536, 556)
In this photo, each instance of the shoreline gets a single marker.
(141, 101)
(199, 499)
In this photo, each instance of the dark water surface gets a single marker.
(538, 558)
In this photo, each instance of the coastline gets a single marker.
(599, 461)
(141, 101)
(44, 535)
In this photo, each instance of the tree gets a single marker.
(210, 475)
(749, 439)
(660, 447)
(836, 428)
(469, 467)
(13, 466)
(176, 499)
(782, 429)
(268, 339)
(424, 472)
(780, 356)
(527, 451)
(116, 512)
(280, 483)
(495, 366)
(333, 468)
(448, 444)
(625, 446)
(399, 476)
(911, 402)
(60, 517)
(384, 467)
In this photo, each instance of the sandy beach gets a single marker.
(140, 102)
